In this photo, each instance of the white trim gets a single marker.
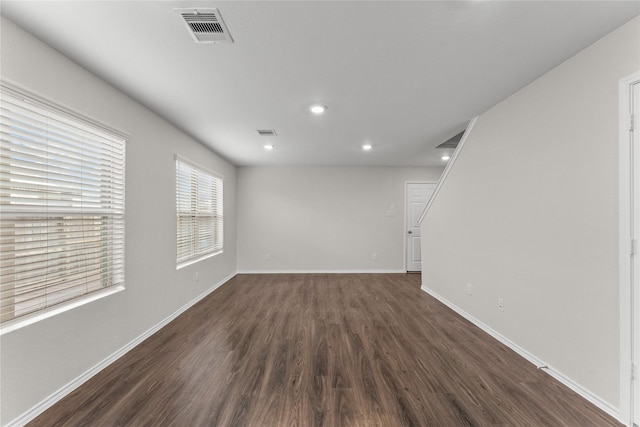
(447, 168)
(583, 392)
(197, 259)
(45, 313)
(504, 340)
(77, 382)
(182, 159)
(580, 390)
(320, 271)
(625, 288)
(48, 104)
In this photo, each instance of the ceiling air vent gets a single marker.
(267, 132)
(206, 25)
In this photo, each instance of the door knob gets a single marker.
(409, 231)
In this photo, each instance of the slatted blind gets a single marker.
(61, 207)
(199, 211)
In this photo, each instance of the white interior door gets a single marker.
(635, 235)
(417, 196)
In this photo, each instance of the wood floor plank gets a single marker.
(330, 350)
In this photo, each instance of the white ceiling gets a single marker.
(403, 76)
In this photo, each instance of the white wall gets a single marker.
(39, 359)
(323, 218)
(529, 213)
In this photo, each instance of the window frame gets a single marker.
(197, 212)
(43, 112)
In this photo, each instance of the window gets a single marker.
(199, 213)
(61, 207)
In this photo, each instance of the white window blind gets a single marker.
(61, 207)
(199, 212)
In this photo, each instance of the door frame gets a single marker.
(406, 214)
(627, 169)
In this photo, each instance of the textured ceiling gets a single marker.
(402, 76)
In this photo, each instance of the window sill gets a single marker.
(188, 262)
(29, 319)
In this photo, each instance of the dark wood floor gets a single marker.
(322, 350)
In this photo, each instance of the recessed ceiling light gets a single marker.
(269, 147)
(445, 158)
(318, 109)
(367, 147)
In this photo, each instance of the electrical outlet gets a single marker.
(196, 276)
(374, 256)
(501, 304)
(267, 256)
(469, 289)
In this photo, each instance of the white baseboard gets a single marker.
(577, 388)
(320, 271)
(77, 382)
(583, 392)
